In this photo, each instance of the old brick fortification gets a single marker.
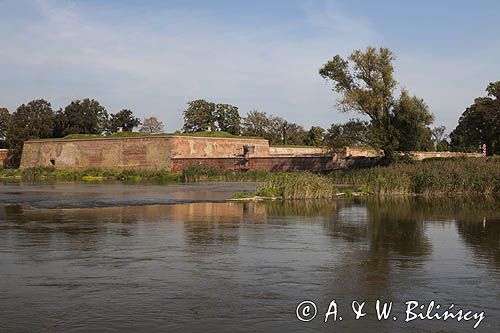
(4, 153)
(176, 153)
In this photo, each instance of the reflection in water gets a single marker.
(217, 266)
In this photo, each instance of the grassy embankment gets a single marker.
(435, 177)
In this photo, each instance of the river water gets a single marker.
(130, 258)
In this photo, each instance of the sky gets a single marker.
(154, 56)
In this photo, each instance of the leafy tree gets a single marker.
(4, 123)
(282, 132)
(124, 119)
(227, 118)
(29, 121)
(151, 125)
(351, 134)
(199, 116)
(440, 139)
(480, 124)
(315, 136)
(411, 120)
(255, 124)
(366, 84)
(82, 117)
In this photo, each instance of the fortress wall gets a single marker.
(276, 150)
(188, 146)
(120, 153)
(3, 157)
(422, 155)
(266, 163)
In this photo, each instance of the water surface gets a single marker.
(126, 258)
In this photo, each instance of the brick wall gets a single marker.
(3, 157)
(290, 151)
(269, 163)
(122, 153)
(188, 146)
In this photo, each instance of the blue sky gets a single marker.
(154, 56)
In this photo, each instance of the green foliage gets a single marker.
(29, 121)
(4, 122)
(351, 134)
(199, 116)
(411, 120)
(366, 84)
(430, 177)
(82, 117)
(480, 124)
(297, 186)
(227, 118)
(315, 136)
(124, 119)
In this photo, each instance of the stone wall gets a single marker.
(422, 155)
(290, 151)
(3, 157)
(113, 153)
(188, 146)
(266, 163)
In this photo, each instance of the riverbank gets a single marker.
(433, 177)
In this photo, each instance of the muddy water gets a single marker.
(88, 258)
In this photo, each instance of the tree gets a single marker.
(440, 139)
(255, 124)
(124, 119)
(315, 136)
(30, 121)
(282, 132)
(82, 117)
(4, 123)
(480, 124)
(199, 116)
(151, 125)
(351, 134)
(366, 84)
(227, 118)
(411, 120)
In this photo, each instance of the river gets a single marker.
(129, 258)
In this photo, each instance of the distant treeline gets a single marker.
(366, 86)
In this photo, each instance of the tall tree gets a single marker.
(480, 124)
(199, 116)
(440, 139)
(350, 134)
(4, 123)
(315, 136)
(30, 121)
(411, 120)
(83, 117)
(124, 119)
(255, 124)
(151, 125)
(366, 84)
(227, 118)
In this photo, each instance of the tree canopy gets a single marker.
(366, 84)
(85, 116)
(480, 124)
(30, 121)
(124, 119)
(201, 115)
(151, 125)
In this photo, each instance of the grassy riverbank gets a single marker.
(435, 177)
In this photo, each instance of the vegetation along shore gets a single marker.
(433, 177)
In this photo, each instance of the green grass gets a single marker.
(451, 176)
(137, 134)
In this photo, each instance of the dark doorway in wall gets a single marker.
(53, 162)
